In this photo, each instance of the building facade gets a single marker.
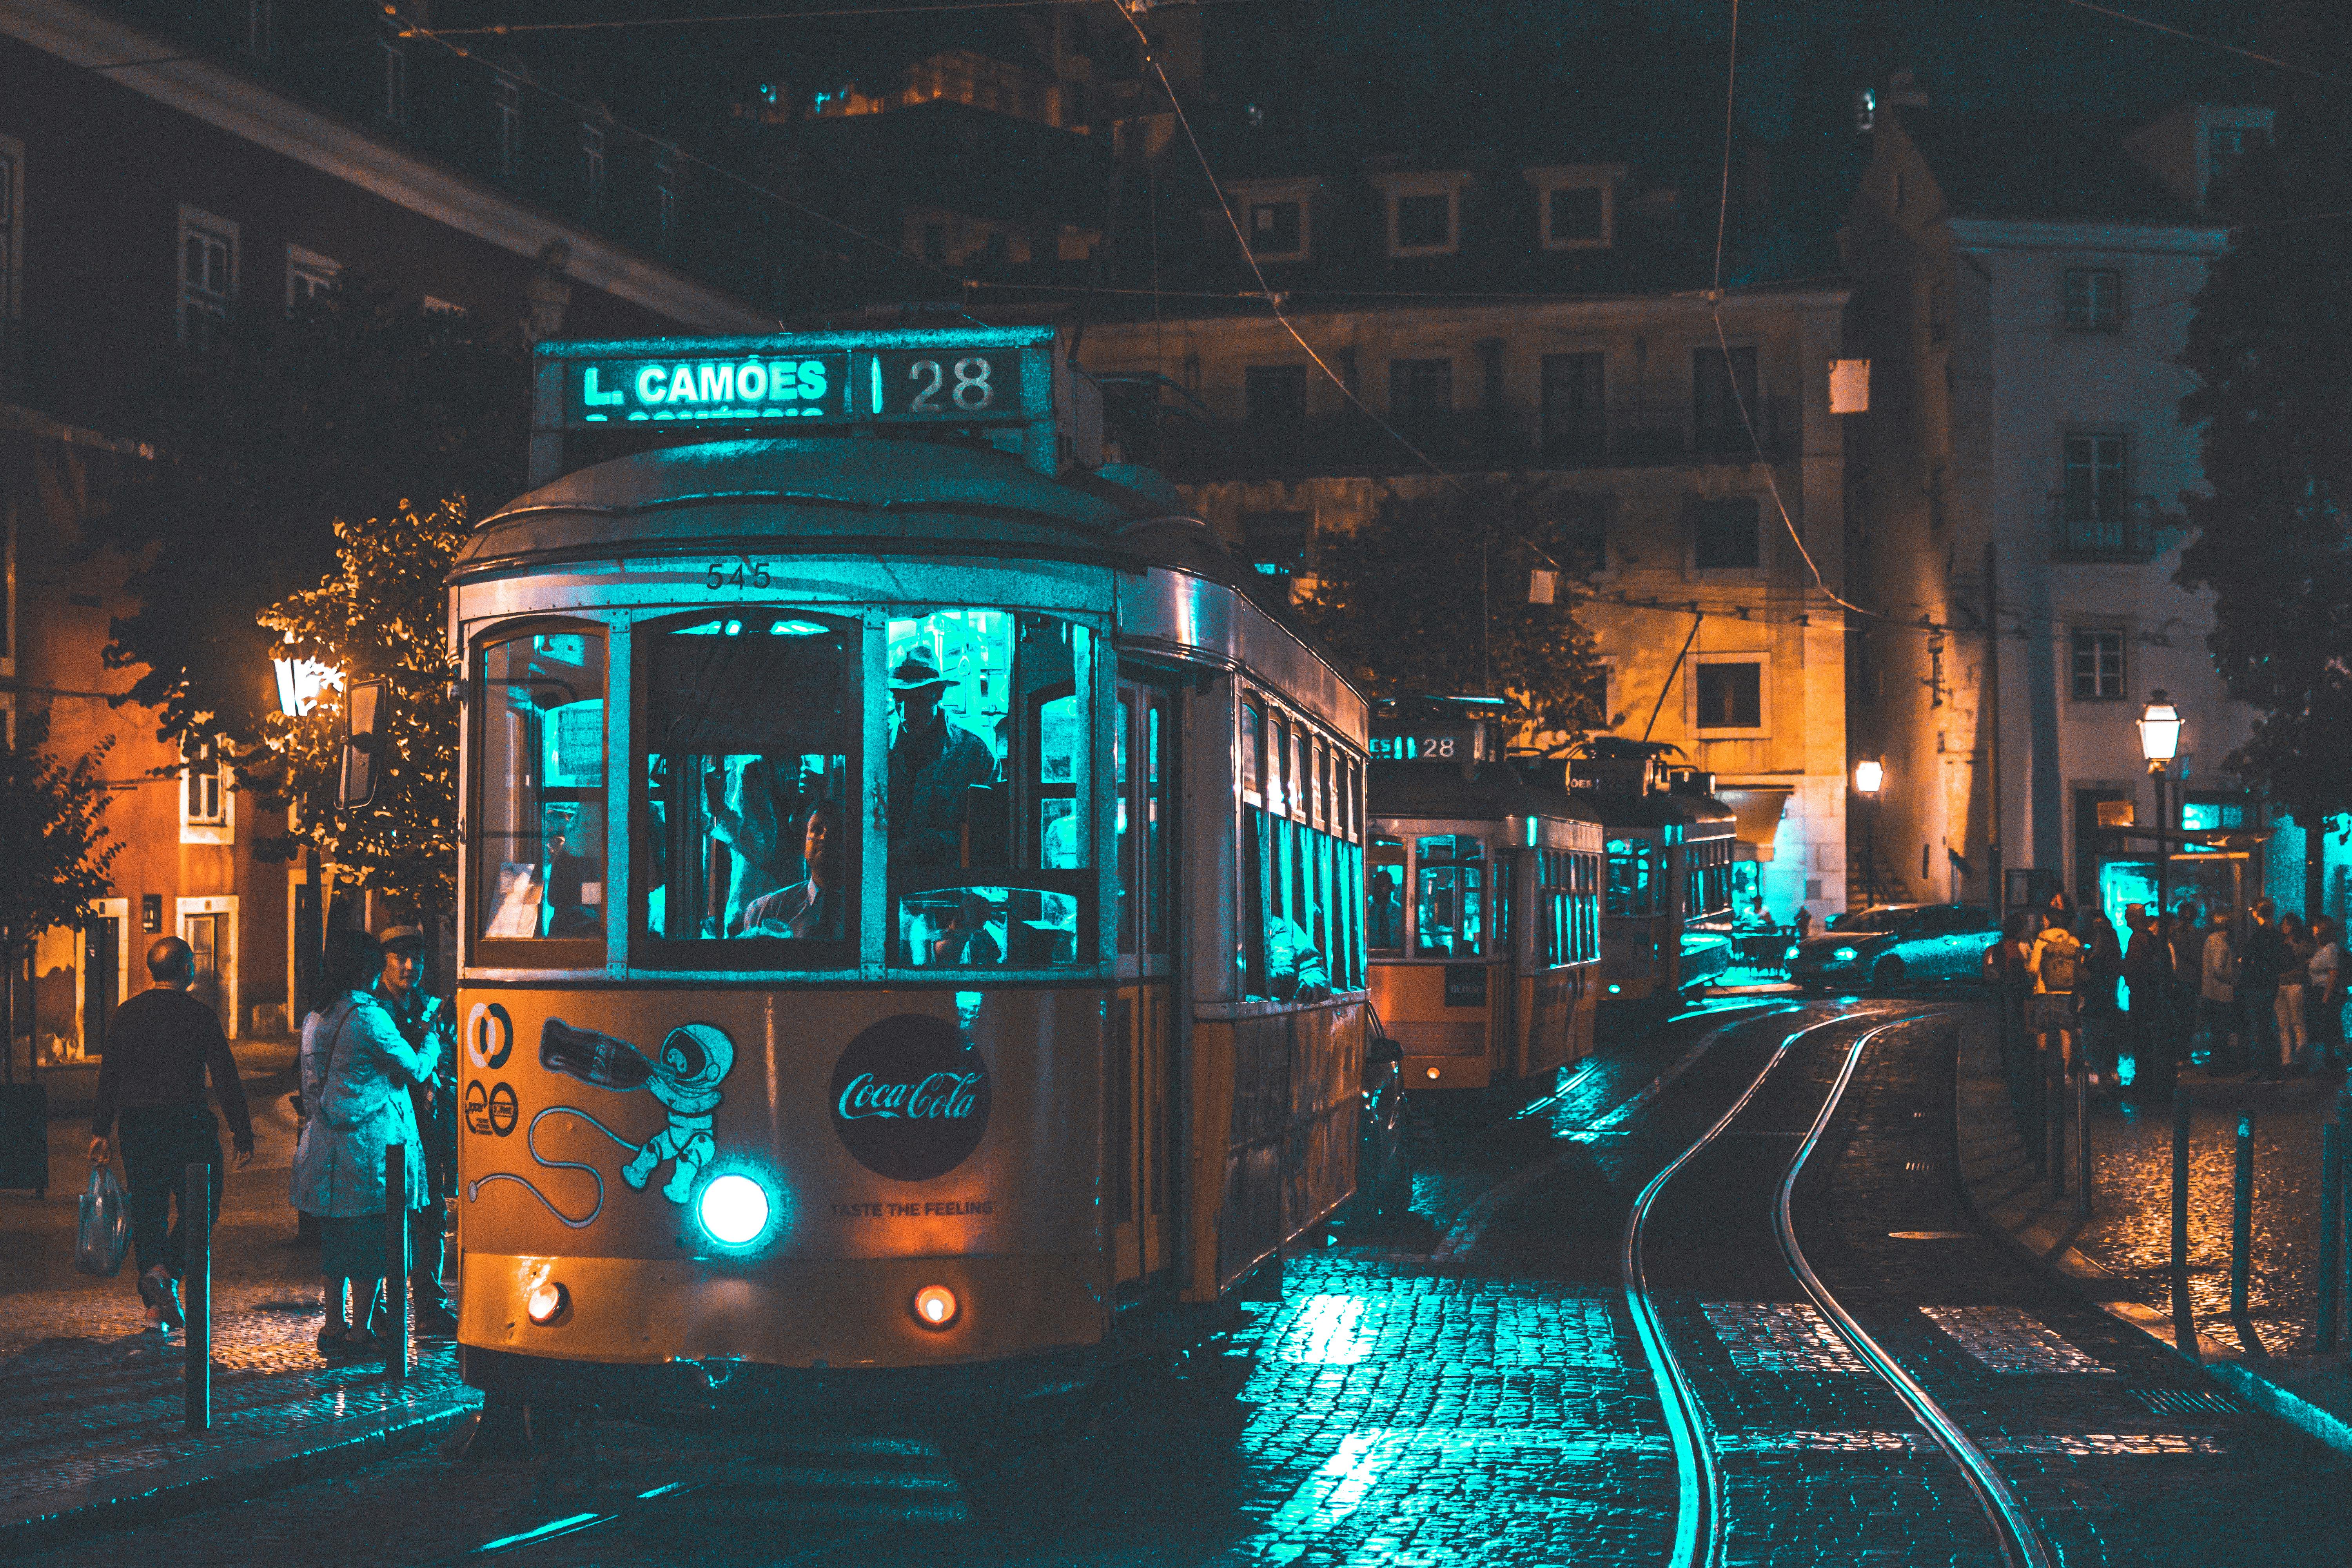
(1672, 446)
(137, 202)
(2023, 288)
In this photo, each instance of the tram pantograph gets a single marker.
(912, 885)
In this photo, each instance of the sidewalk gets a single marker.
(2120, 1258)
(91, 1400)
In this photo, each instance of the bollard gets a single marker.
(395, 1261)
(2241, 1215)
(2083, 1141)
(196, 1287)
(2184, 1317)
(2331, 1224)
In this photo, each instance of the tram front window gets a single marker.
(986, 822)
(1450, 893)
(542, 802)
(1628, 876)
(747, 776)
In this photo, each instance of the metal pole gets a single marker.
(2241, 1215)
(2184, 1317)
(2037, 1134)
(2000, 899)
(196, 1285)
(2331, 1222)
(2053, 1115)
(2082, 1139)
(395, 1260)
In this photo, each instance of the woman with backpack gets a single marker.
(357, 1069)
(2056, 963)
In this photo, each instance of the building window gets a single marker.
(1731, 696)
(665, 205)
(1574, 417)
(592, 167)
(2095, 479)
(1576, 216)
(1728, 536)
(1420, 388)
(506, 102)
(1723, 396)
(2094, 300)
(208, 275)
(1275, 228)
(203, 803)
(1273, 393)
(308, 276)
(394, 103)
(2098, 663)
(1424, 222)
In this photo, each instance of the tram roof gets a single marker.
(1698, 815)
(1438, 790)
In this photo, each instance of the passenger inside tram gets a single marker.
(810, 908)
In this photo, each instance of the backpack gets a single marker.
(2060, 963)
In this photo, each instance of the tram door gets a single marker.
(1142, 1127)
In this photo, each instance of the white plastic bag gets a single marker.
(105, 1233)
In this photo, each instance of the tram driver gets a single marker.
(934, 766)
(810, 908)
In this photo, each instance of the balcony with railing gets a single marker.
(1623, 435)
(2105, 526)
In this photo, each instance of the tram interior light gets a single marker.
(797, 629)
(733, 1209)
(936, 1306)
(734, 629)
(546, 1301)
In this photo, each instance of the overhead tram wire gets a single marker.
(2209, 43)
(508, 29)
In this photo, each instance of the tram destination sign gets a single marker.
(1431, 744)
(919, 377)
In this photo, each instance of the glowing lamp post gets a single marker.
(1869, 778)
(299, 681)
(2159, 743)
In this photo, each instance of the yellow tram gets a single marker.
(912, 885)
(1670, 848)
(1483, 919)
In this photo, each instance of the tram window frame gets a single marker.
(1093, 693)
(570, 952)
(1638, 899)
(1473, 946)
(1377, 861)
(1143, 821)
(745, 953)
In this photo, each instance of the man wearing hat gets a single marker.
(424, 1022)
(933, 766)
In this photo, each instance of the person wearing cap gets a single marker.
(424, 1022)
(158, 1048)
(934, 766)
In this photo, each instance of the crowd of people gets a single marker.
(2259, 993)
(377, 1067)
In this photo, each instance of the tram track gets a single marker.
(1701, 1515)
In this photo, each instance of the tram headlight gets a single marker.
(733, 1210)
(1790, 956)
(1845, 955)
(546, 1301)
(936, 1306)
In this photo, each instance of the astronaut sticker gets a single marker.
(686, 1077)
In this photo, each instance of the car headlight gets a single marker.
(1845, 955)
(1790, 956)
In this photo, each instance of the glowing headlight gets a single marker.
(546, 1302)
(935, 1306)
(1614, 989)
(733, 1209)
(1790, 956)
(1432, 1074)
(1845, 955)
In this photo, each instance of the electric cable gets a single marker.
(2209, 43)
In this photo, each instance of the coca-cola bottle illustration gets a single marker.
(592, 1056)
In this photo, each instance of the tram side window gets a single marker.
(1586, 874)
(987, 820)
(1449, 895)
(1384, 905)
(1628, 876)
(543, 788)
(749, 740)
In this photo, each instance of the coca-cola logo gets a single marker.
(910, 1098)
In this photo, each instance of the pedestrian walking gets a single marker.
(2101, 1018)
(159, 1049)
(2144, 966)
(2323, 1005)
(2216, 1004)
(1804, 922)
(356, 1070)
(2056, 964)
(2293, 993)
(2262, 958)
(424, 1022)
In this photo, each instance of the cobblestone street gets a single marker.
(1470, 1384)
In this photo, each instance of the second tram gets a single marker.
(1669, 845)
(1483, 919)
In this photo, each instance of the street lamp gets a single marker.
(299, 681)
(1869, 778)
(2160, 743)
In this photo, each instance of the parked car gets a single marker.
(1892, 945)
(1384, 1134)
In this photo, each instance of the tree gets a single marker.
(2271, 348)
(381, 612)
(1430, 597)
(264, 438)
(52, 843)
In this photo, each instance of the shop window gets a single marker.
(541, 812)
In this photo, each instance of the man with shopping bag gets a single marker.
(159, 1049)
